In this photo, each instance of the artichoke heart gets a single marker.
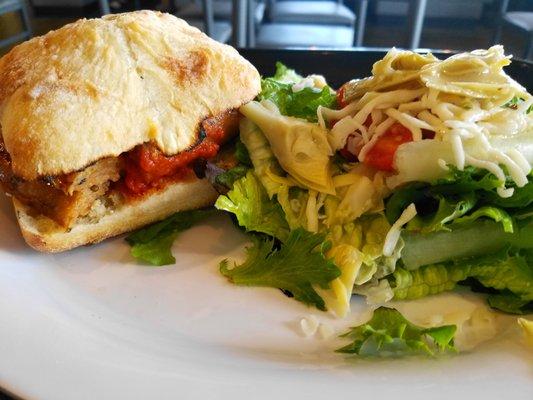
(477, 74)
(397, 68)
(301, 147)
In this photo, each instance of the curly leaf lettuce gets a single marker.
(389, 334)
(297, 266)
(254, 211)
(458, 194)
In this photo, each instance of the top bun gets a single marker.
(99, 87)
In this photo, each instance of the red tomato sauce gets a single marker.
(146, 167)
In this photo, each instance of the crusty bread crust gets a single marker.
(155, 207)
(99, 87)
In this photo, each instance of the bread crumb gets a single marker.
(325, 331)
(309, 325)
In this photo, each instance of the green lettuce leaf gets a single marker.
(241, 154)
(253, 209)
(506, 270)
(293, 201)
(153, 243)
(521, 198)
(295, 267)
(463, 240)
(467, 180)
(229, 177)
(476, 185)
(223, 179)
(448, 211)
(484, 184)
(425, 281)
(301, 104)
(389, 334)
(510, 303)
(286, 74)
(494, 213)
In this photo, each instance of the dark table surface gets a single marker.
(5, 396)
(339, 66)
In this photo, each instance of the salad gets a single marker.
(398, 186)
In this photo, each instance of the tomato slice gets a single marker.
(340, 97)
(381, 155)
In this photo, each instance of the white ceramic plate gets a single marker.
(92, 324)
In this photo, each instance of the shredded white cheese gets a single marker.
(394, 232)
(472, 124)
(380, 130)
(311, 212)
(442, 163)
(458, 151)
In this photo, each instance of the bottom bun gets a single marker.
(43, 235)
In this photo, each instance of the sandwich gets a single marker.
(106, 124)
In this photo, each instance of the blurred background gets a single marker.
(415, 24)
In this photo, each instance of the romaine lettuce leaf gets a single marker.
(494, 213)
(484, 184)
(286, 74)
(522, 197)
(510, 303)
(153, 243)
(261, 155)
(463, 240)
(389, 334)
(295, 267)
(475, 185)
(482, 251)
(367, 235)
(301, 104)
(425, 281)
(507, 271)
(293, 201)
(466, 180)
(253, 209)
(448, 211)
